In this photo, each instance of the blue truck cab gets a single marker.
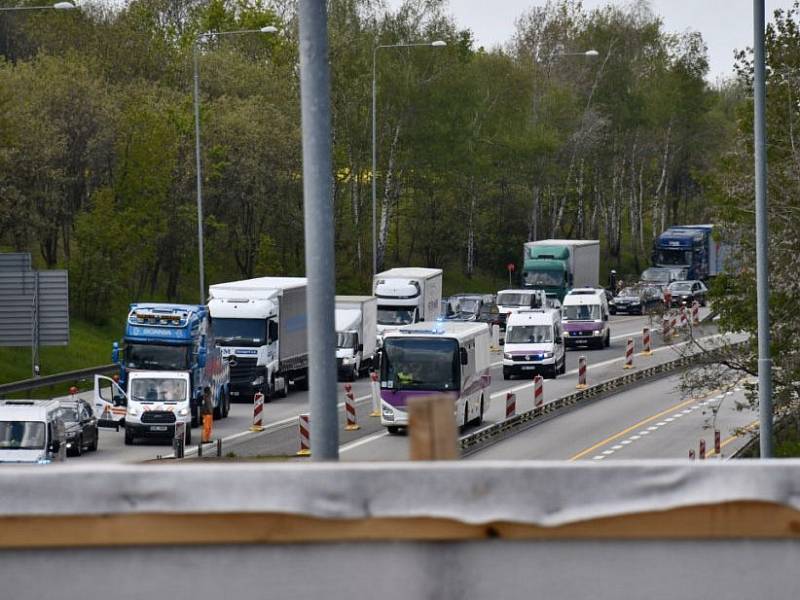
(690, 247)
(175, 337)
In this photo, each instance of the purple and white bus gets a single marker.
(443, 357)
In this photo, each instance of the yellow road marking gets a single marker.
(727, 441)
(611, 438)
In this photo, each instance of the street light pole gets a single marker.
(433, 44)
(198, 164)
(762, 276)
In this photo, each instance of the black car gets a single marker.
(491, 314)
(635, 300)
(80, 426)
(688, 291)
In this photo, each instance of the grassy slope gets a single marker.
(89, 346)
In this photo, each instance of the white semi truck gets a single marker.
(356, 334)
(407, 295)
(261, 325)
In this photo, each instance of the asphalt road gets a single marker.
(280, 417)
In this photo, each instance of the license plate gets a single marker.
(234, 393)
(158, 427)
(529, 368)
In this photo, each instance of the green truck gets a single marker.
(557, 266)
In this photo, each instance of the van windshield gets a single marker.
(22, 435)
(583, 312)
(529, 334)
(421, 364)
(149, 389)
(526, 300)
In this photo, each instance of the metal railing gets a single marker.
(48, 380)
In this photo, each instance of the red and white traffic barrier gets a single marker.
(629, 355)
(375, 390)
(258, 409)
(701, 454)
(538, 391)
(684, 318)
(666, 330)
(350, 408)
(646, 350)
(691, 454)
(511, 404)
(695, 313)
(305, 435)
(581, 373)
(673, 323)
(717, 443)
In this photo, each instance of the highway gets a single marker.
(371, 442)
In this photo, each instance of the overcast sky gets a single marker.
(725, 24)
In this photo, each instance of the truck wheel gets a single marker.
(354, 374)
(218, 410)
(393, 429)
(227, 405)
(188, 438)
(128, 436)
(282, 393)
(506, 374)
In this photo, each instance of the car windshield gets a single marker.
(529, 334)
(421, 364)
(69, 414)
(395, 315)
(345, 339)
(240, 332)
(543, 278)
(22, 435)
(583, 312)
(469, 305)
(154, 356)
(629, 293)
(681, 287)
(147, 389)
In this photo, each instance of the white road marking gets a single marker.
(608, 452)
(617, 447)
(686, 411)
(653, 428)
(636, 437)
(644, 433)
(598, 457)
(362, 441)
(661, 423)
(669, 419)
(625, 442)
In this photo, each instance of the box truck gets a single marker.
(407, 295)
(557, 266)
(356, 334)
(261, 325)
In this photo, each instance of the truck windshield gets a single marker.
(662, 275)
(22, 435)
(154, 356)
(681, 258)
(240, 332)
(584, 312)
(158, 390)
(395, 315)
(543, 278)
(529, 334)
(421, 364)
(345, 339)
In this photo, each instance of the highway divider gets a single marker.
(76, 376)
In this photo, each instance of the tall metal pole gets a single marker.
(318, 216)
(762, 275)
(198, 172)
(374, 169)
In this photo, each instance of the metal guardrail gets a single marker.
(65, 377)
(497, 432)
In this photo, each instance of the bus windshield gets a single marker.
(22, 435)
(421, 364)
(155, 356)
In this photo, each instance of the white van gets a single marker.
(585, 316)
(31, 431)
(534, 344)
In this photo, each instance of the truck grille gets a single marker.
(242, 370)
(158, 416)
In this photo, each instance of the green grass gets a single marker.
(89, 346)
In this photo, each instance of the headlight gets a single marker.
(133, 411)
(507, 356)
(547, 355)
(388, 414)
(348, 360)
(597, 332)
(183, 412)
(635, 302)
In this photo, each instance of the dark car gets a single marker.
(491, 314)
(470, 305)
(635, 300)
(80, 426)
(688, 291)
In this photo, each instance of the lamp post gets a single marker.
(198, 166)
(433, 44)
(56, 6)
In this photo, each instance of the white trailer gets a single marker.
(407, 295)
(262, 327)
(356, 334)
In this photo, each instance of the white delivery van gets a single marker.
(356, 335)
(534, 344)
(445, 357)
(585, 317)
(31, 431)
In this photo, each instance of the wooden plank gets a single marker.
(432, 428)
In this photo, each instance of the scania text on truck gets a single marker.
(444, 357)
(356, 334)
(407, 295)
(173, 337)
(557, 266)
(261, 325)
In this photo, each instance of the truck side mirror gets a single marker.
(202, 354)
(115, 353)
(464, 356)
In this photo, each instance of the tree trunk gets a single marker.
(389, 195)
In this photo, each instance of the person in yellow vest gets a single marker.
(207, 412)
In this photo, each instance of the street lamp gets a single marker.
(56, 6)
(433, 44)
(195, 61)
